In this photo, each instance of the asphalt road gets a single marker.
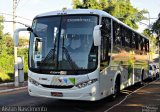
(145, 98)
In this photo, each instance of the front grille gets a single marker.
(57, 86)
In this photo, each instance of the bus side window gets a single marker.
(146, 50)
(147, 45)
(133, 41)
(117, 34)
(123, 34)
(137, 41)
(142, 44)
(105, 42)
(127, 39)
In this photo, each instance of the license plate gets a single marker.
(58, 94)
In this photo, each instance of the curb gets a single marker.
(14, 89)
(7, 84)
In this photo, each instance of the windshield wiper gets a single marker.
(69, 59)
(49, 58)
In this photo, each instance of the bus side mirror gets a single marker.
(97, 35)
(16, 36)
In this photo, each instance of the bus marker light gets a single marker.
(93, 90)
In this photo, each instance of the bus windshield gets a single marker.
(63, 43)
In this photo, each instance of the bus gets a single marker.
(84, 54)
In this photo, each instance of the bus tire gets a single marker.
(142, 78)
(116, 88)
(157, 75)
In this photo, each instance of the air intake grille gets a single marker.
(57, 87)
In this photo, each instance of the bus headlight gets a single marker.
(33, 81)
(84, 84)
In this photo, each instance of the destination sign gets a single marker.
(78, 20)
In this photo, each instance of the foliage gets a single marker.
(7, 58)
(156, 27)
(7, 55)
(3, 76)
(121, 9)
(86, 4)
(152, 39)
(1, 26)
(23, 42)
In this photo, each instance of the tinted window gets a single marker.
(63, 43)
(105, 42)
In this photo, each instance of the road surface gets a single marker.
(147, 97)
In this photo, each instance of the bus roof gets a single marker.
(86, 11)
(73, 11)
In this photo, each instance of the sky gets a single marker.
(30, 8)
(153, 7)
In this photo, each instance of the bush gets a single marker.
(7, 59)
(3, 75)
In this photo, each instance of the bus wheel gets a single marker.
(157, 75)
(142, 78)
(116, 89)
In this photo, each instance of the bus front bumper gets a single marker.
(88, 93)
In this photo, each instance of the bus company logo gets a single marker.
(55, 73)
(63, 81)
(60, 80)
(56, 80)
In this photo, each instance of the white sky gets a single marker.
(153, 7)
(30, 8)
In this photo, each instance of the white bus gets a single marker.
(84, 54)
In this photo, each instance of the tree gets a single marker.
(148, 33)
(7, 55)
(93, 4)
(121, 9)
(156, 26)
(6, 58)
(1, 26)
